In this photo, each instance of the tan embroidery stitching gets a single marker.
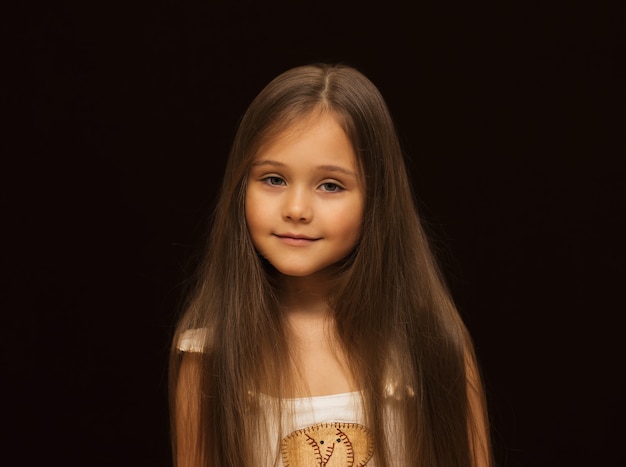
(328, 445)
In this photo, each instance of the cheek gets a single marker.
(351, 226)
(249, 210)
(254, 215)
(358, 221)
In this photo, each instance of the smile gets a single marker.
(295, 240)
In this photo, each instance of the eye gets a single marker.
(274, 181)
(331, 187)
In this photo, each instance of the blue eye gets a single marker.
(274, 181)
(331, 187)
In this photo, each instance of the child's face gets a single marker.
(305, 198)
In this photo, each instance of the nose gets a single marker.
(297, 206)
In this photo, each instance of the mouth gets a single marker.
(296, 239)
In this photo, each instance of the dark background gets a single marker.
(118, 118)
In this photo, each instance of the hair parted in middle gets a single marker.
(395, 319)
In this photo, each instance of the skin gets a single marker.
(304, 210)
(292, 188)
(305, 199)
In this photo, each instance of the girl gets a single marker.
(319, 331)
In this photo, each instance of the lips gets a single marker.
(296, 239)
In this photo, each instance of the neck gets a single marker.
(305, 295)
(320, 365)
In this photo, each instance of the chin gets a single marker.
(296, 273)
(321, 271)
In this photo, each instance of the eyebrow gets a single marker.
(330, 168)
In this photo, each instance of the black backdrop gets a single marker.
(118, 120)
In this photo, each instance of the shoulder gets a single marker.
(194, 340)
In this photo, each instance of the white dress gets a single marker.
(324, 431)
(314, 431)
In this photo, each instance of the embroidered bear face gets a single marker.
(328, 445)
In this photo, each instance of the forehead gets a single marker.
(318, 132)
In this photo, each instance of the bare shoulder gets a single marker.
(195, 340)
(187, 401)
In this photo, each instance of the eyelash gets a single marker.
(335, 187)
(269, 180)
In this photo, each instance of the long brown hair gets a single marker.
(389, 292)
